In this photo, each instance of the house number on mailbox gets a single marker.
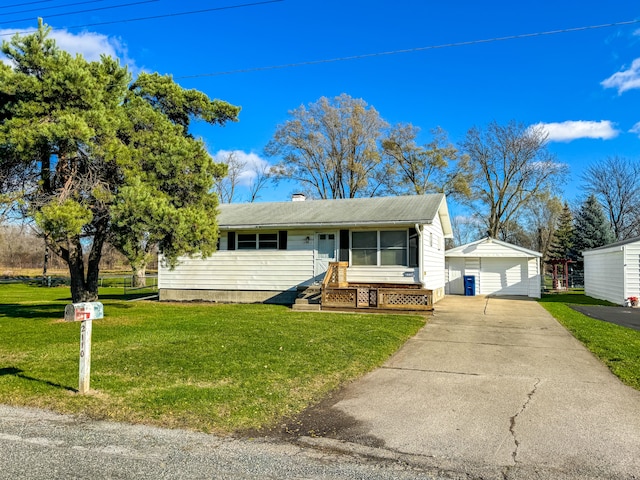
(84, 313)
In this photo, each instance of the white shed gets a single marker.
(612, 272)
(498, 268)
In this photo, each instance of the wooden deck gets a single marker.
(338, 294)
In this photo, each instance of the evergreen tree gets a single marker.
(93, 157)
(562, 244)
(591, 227)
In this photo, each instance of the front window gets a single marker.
(262, 241)
(385, 247)
(268, 241)
(393, 248)
(246, 241)
(364, 248)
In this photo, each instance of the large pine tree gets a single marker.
(591, 227)
(93, 157)
(562, 244)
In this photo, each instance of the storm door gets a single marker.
(325, 253)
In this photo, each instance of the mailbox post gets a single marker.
(84, 313)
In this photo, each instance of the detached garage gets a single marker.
(496, 268)
(612, 272)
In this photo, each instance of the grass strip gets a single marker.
(618, 347)
(209, 367)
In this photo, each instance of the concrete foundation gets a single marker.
(438, 294)
(228, 296)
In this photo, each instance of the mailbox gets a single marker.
(79, 312)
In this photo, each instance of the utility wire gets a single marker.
(40, 9)
(27, 3)
(409, 50)
(84, 11)
(154, 17)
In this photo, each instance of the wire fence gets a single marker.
(574, 281)
(129, 286)
(126, 282)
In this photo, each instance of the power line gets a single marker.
(155, 17)
(84, 11)
(27, 3)
(408, 50)
(40, 9)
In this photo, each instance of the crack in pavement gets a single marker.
(512, 429)
(425, 370)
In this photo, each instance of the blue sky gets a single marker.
(583, 85)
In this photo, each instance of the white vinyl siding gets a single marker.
(472, 268)
(604, 275)
(632, 271)
(406, 275)
(535, 280)
(433, 258)
(455, 269)
(280, 270)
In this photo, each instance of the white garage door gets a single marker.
(503, 276)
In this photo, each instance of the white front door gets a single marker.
(325, 253)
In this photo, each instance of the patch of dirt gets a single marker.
(323, 420)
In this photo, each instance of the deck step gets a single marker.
(309, 295)
(306, 307)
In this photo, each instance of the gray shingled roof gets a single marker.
(406, 210)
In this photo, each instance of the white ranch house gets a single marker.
(612, 272)
(267, 251)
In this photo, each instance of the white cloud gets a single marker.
(635, 129)
(251, 163)
(573, 130)
(89, 44)
(624, 79)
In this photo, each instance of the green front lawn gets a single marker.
(618, 347)
(215, 368)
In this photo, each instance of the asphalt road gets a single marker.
(624, 316)
(39, 445)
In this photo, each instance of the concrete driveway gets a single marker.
(494, 388)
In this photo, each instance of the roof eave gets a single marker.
(300, 226)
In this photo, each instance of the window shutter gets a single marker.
(282, 240)
(231, 241)
(344, 246)
(413, 247)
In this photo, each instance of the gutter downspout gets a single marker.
(420, 255)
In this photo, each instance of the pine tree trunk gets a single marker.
(79, 288)
(139, 278)
(85, 289)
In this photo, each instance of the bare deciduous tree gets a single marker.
(541, 216)
(260, 177)
(466, 229)
(512, 167)
(616, 183)
(415, 170)
(243, 170)
(331, 147)
(225, 186)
